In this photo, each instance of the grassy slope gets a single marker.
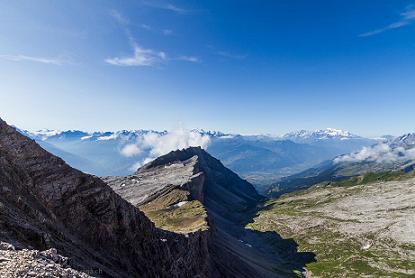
(188, 218)
(338, 255)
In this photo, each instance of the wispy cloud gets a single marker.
(119, 17)
(406, 18)
(167, 32)
(140, 57)
(146, 27)
(165, 6)
(190, 59)
(42, 60)
(229, 55)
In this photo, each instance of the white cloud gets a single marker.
(146, 27)
(190, 59)
(130, 150)
(378, 153)
(167, 32)
(407, 18)
(174, 140)
(155, 144)
(42, 60)
(174, 8)
(119, 17)
(135, 166)
(141, 57)
(165, 6)
(108, 137)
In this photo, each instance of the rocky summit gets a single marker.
(189, 191)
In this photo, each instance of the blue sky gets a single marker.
(235, 66)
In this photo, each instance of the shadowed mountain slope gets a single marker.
(46, 204)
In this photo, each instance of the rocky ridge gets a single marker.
(46, 204)
(174, 189)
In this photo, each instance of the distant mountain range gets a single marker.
(306, 136)
(261, 159)
(396, 154)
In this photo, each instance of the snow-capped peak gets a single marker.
(320, 134)
(406, 140)
(44, 134)
(210, 133)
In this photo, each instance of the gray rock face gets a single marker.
(46, 204)
(146, 185)
(223, 190)
(192, 174)
(193, 169)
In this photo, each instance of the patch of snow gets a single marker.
(366, 246)
(46, 133)
(86, 137)
(180, 204)
(109, 137)
(321, 134)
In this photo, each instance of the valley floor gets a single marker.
(355, 231)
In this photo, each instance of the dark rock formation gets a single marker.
(46, 204)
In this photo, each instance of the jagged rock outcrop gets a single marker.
(46, 204)
(174, 189)
(205, 178)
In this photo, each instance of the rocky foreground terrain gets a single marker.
(34, 263)
(356, 230)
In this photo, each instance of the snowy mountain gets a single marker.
(47, 134)
(261, 159)
(405, 141)
(397, 155)
(306, 136)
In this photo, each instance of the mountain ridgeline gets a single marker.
(384, 161)
(260, 159)
(47, 205)
(189, 190)
(182, 215)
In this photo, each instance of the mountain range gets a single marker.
(395, 155)
(261, 159)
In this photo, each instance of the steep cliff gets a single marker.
(189, 191)
(46, 204)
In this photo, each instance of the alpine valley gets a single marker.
(307, 204)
